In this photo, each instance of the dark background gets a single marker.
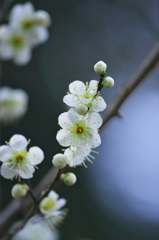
(118, 196)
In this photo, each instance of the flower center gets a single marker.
(27, 24)
(49, 204)
(17, 41)
(19, 158)
(79, 130)
(87, 95)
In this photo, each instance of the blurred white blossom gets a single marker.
(85, 94)
(13, 104)
(33, 24)
(17, 161)
(36, 229)
(27, 28)
(14, 45)
(78, 130)
(51, 206)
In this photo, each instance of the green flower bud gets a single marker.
(19, 190)
(108, 82)
(100, 67)
(69, 178)
(59, 161)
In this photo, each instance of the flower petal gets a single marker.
(94, 120)
(93, 86)
(63, 137)
(77, 87)
(35, 155)
(71, 100)
(40, 34)
(6, 51)
(26, 171)
(18, 142)
(60, 203)
(98, 104)
(5, 153)
(53, 195)
(6, 172)
(22, 56)
(95, 141)
(64, 120)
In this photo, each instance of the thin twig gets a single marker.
(112, 110)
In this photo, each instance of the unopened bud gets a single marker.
(108, 82)
(100, 67)
(81, 109)
(42, 18)
(19, 190)
(59, 161)
(69, 178)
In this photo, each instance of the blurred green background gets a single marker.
(118, 196)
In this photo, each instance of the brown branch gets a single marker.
(15, 207)
(124, 91)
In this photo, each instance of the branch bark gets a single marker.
(22, 206)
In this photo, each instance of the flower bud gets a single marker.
(19, 190)
(42, 18)
(100, 67)
(69, 178)
(81, 109)
(108, 82)
(59, 161)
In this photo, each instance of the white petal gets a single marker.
(64, 120)
(93, 86)
(95, 141)
(16, 14)
(42, 18)
(18, 142)
(60, 203)
(6, 52)
(85, 100)
(74, 116)
(5, 153)
(53, 195)
(94, 120)
(98, 104)
(26, 171)
(5, 31)
(35, 155)
(22, 56)
(77, 87)
(6, 172)
(63, 137)
(71, 100)
(41, 35)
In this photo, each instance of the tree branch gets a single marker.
(22, 206)
(125, 90)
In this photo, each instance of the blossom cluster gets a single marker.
(26, 29)
(80, 125)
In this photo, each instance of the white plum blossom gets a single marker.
(78, 155)
(51, 206)
(17, 161)
(13, 104)
(36, 228)
(86, 95)
(33, 24)
(78, 130)
(14, 45)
